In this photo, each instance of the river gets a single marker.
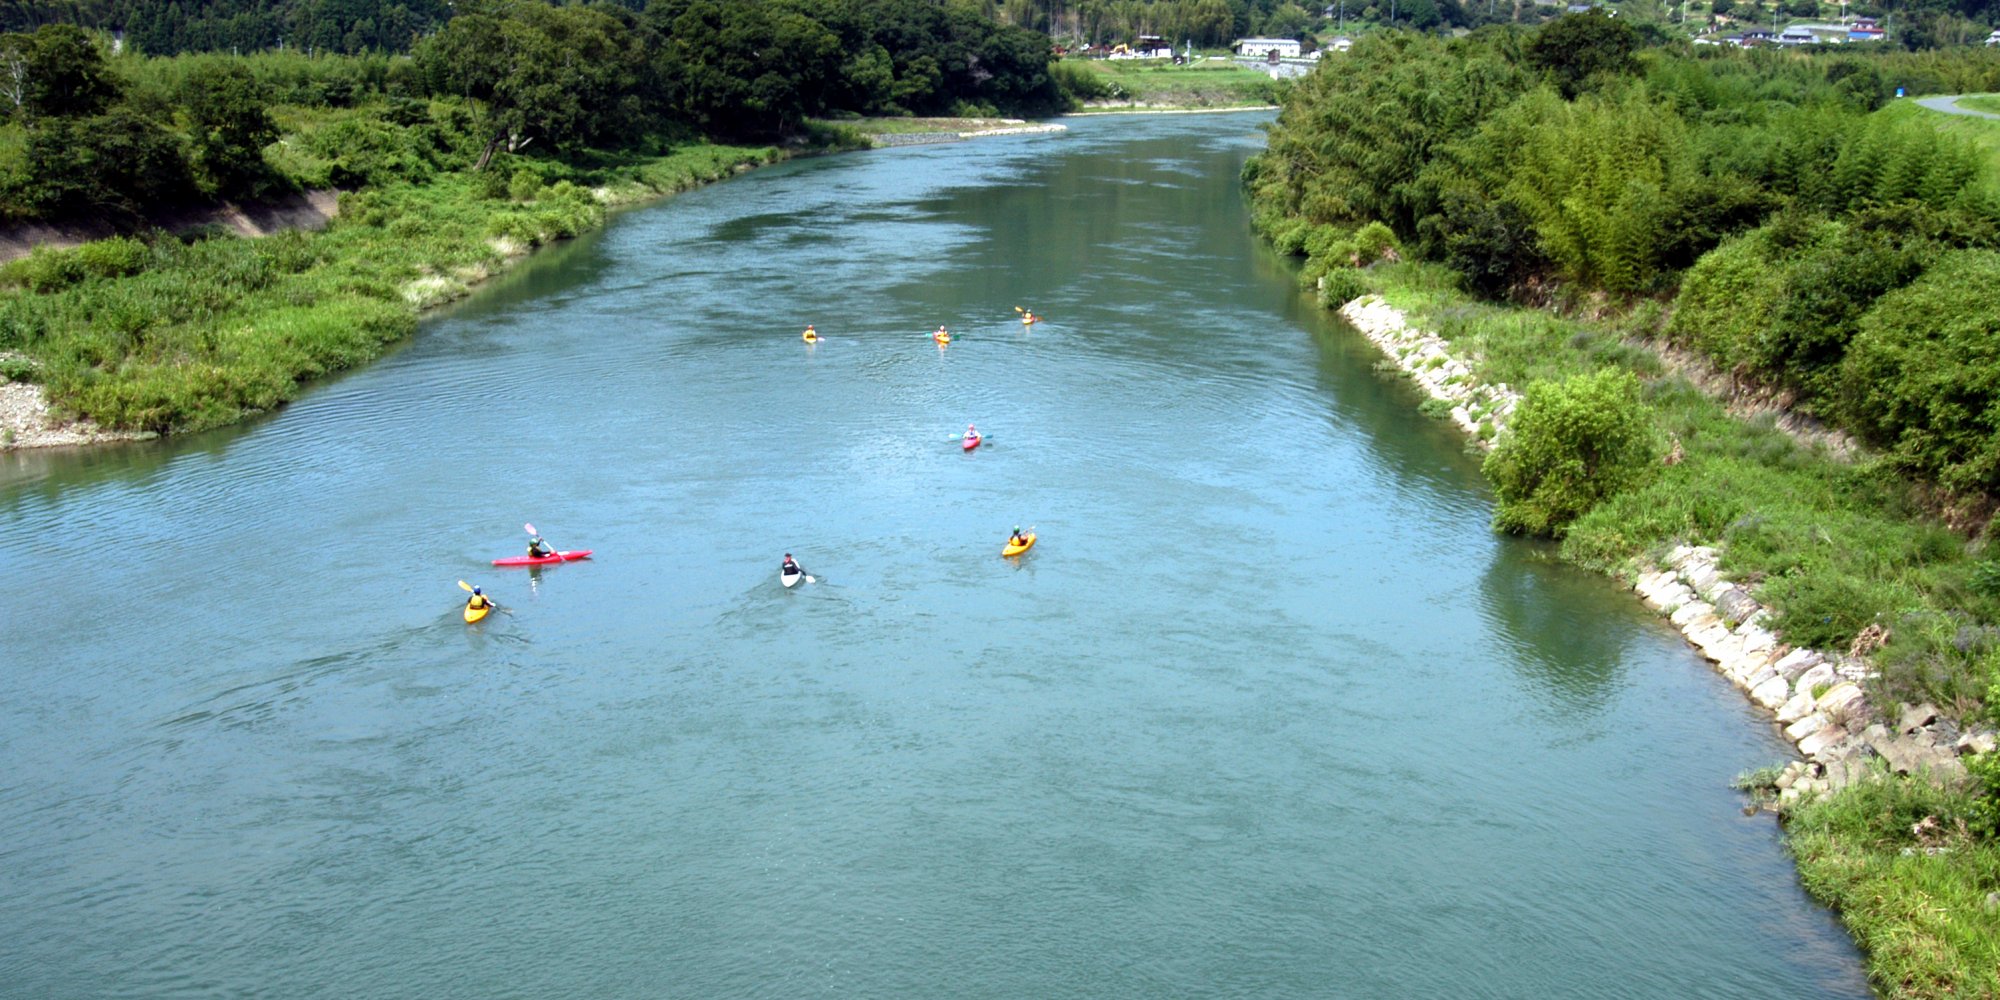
(1268, 711)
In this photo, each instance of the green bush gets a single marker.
(1985, 769)
(1080, 82)
(113, 258)
(1340, 286)
(1573, 443)
(524, 185)
(1373, 242)
(1922, 376)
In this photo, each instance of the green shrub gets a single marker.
(1922, 376)
(1573, 443)
(1079, 81)
(1374, 242)
(113, 258)
(1985, 769)
(524, 185)
(1340, 286)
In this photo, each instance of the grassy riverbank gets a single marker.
(170, 335)
(1118, 84)
(1829, 538)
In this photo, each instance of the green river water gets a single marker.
(1268, 712)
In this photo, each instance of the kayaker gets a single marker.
(971, 432)
(478, 600)
(941, 335)
(1017, 538)
(537, 549)
(811, 334)
(790, 568)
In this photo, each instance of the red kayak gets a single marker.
(971, 443)
(543, 560)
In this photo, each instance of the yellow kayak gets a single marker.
(1011, 549)
(473, 614)
(942, 338)
(811, 337)
(1030, 319)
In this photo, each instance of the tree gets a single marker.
(61, 73)
(1572, 444)
(558, 75)
(228, 127)
(118, 165)
(1575, 47)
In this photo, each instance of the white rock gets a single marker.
(1690, 611)
(1795, 662)
(1797, 708)
(1821, 740)
(1816, 675)
(1771, 691)
(1843, 699)
(1756, 638)
(1713, 638)
(1806, 726)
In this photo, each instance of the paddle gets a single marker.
(532, 533)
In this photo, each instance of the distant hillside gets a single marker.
(166, 27)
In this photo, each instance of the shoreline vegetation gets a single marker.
(114, 348)
(1746, 301)
(513, 124)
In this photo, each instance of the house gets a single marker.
(1796, 36)
(1340, 44)
(1865, 30)
(1252, 48)
(1146, 47)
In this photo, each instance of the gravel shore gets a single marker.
(27, 422)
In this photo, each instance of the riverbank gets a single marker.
(881, 132)
(1157, 84)
(135, 339)
(1910, 878)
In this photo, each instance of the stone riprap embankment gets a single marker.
(1817, 698)
(1479, 409)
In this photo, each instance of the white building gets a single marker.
(1254, 48)
(1994, 38)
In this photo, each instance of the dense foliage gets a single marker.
(1574, 442)
(1779, 214)
(92, 135)
(1776, 194)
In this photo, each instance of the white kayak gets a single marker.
(789, 579)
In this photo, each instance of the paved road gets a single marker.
(1949, 105)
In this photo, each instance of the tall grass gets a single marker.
(168, 334)
(1909, 882)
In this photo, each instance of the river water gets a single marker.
(1267, 712)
